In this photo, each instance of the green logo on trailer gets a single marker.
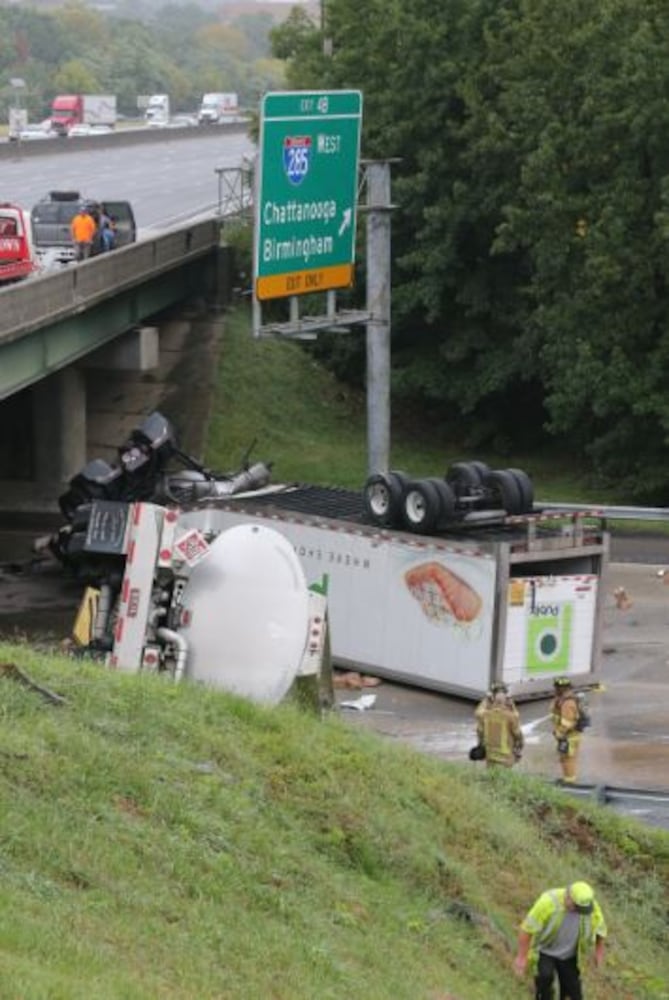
(549, 640)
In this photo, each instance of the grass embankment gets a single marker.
(164, 842)
(314, 428)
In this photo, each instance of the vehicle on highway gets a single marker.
(183, 121)
(52, 215)
(17, 256)
(157, 112)
(88, 130)
(33, 132)
(215, 108)
(68, 110)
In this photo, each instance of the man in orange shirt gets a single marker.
(83, 229)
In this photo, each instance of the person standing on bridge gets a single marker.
(498, 727)
(554, 938)
(107, 231)
(83, 229)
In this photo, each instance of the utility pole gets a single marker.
(378, 307)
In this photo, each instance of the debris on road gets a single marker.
(361, 704)
(623, 601)
(352, 679)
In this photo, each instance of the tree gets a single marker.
(529, 285)
(75, 77)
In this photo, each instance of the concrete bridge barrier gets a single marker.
(44, 300)
(120, 137)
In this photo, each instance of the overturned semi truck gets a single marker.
(448, 583)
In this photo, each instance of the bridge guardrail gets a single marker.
(27, 306)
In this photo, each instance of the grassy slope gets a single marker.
(314, 429)
(170, 842)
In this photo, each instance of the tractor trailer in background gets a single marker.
(82, 109)
(216, 108)
(157, 113)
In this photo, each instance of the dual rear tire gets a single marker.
(422, 506)
(425, 506)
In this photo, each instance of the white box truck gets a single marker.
(216, 108)
(157, 113)
(519, 600)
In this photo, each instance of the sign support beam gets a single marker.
(378, 325)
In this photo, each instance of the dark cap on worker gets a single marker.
(562, 682)
(498, 687)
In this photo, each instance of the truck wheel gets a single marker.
(463, 477)
(504, 491)
(383, 498)
(447, 499)
(428, 505)
(526, 490)
(482, 469)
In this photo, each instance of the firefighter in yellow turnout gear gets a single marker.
(565, 715)
(498, 728)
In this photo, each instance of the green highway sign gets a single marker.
(307, 192)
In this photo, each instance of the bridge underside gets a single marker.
(59, 381)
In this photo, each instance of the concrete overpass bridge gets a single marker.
(66, 335)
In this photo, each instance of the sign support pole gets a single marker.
(378, 324)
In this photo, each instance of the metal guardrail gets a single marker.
(612, 513)
(651, 805)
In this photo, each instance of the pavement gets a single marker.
(628, 742)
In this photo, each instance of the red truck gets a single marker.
(82, 109)
(17, 258)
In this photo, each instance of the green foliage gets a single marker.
(175, 842)
(530, 277)
(74, 77)
(184, 50)
(312, 426)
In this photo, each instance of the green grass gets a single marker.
(163, 842)
(314, 428)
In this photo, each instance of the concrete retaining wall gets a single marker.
(121, 137)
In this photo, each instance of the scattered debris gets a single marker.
(352, 679)
(623, 601)
(361, 704)
(11, 670)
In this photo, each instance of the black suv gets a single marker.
(51, 218)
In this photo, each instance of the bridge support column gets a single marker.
(59, 410)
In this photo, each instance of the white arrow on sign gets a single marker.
(345, 222)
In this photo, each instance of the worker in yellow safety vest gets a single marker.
(554, 938)
(498, 727)
(565, 714)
